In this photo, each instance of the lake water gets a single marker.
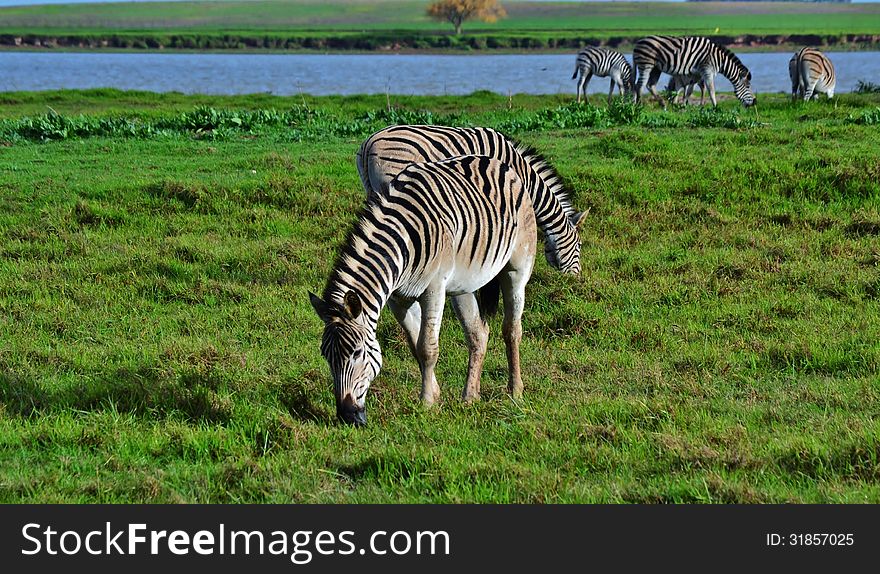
(346, 74)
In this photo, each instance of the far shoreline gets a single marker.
(403, 52)
(391, 42)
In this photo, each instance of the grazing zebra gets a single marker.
(387, 151)
(603, 62)
(654, 55)
(687, 81)
(811, 72)
(443, 228)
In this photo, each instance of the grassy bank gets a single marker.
(158, 344)
(396, 25)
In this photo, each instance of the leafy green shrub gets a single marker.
(866, 118)
(660, 121)
(717, 118)
(624, 111)
(304, 123)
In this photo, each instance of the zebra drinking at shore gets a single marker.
(811, 73)
(654, 55)
(443, 228)
(603, 62)
(389, 150)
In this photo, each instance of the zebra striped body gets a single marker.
(386, 152)
(603, 62)
(443, 228)
(811, 73)
(688, 55)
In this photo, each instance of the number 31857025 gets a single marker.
(824, 539)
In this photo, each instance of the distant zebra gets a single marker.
(654, 55)
(811, 72)
(688, 82)
(444, 228)
(602, 63)
(386, 152)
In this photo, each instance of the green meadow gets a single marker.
(722, 343)
(365, 25)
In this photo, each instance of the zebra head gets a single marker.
(351, 350)
(564, 252)
(742, 87)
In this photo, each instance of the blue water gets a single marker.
(346, 74)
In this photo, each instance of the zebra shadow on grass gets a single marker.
(297, 400)
(141, 392)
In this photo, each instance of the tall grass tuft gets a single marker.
(866, 87)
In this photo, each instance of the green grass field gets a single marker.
(547, 23)
(607, 18)
(158, 344)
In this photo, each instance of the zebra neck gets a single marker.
(372, 298)
(373, 262)
(725, 66)
(551, 214)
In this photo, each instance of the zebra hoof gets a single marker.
(470, 398)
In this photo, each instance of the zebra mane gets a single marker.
(730, 55)
(548, 174)
(358, 232)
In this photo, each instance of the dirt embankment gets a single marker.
(383, 42)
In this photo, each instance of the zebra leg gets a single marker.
(710, 84)
(621, 87)
(653, 89)
(805, 87)
(640, 83)
(652, 86)
(611, 91)
(476, 332)
(810, 92)
(513, 279)
(409, 316)
(583, 83)
(513, 287)
(427, 346)
(408, 313)
(688, 92)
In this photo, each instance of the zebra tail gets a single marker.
(575, 75)
(489, 296)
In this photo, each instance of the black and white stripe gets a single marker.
(603, 63)
(688, 55)
(443, 228)
(386, 152)
(811, 73)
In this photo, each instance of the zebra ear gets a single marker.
(353, 304)
(321, 308)
(577, 218)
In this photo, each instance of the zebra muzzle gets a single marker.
(349, 412)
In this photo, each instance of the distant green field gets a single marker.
(543, 20)
(721, 345)
(605, 18)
